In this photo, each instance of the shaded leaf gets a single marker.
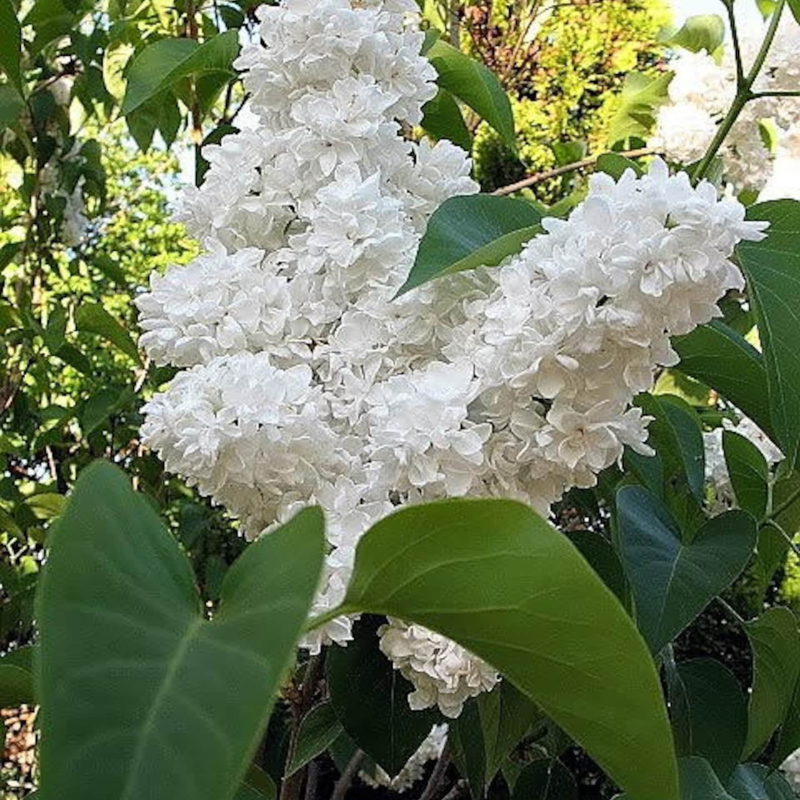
(545, 780)
(775, 642)
(715, 722)
(673, 581)
(371, 700)
(10, 44)
(442, 119)
(318, 731)
(723, 359)
(748, 471)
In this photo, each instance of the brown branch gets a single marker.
(585, 163)
(346, 780)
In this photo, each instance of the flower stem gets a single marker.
(743, 95)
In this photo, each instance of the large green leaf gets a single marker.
(636, 114)
(93, 318)
(672, 580)
(712, 714)
(495, 577)
(141, 695)
(164, 63)
(472, 231)
(371, 700)
(724, 360)
(477, 86)
(772, 267)
(748, 471)
(442, 119)
(10, 44)
(775, 641)
(789, 736)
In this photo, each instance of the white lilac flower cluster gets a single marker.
(440, 670)
(716, 467)
(702, 91)
(431, 749)
(306, 381)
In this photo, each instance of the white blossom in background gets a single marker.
(716, 467)
(702, 91)
(442, 672)
(791, 770)
(306, 381)
(413, 770)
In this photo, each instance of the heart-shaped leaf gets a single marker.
(672, 580)
(499, 580)
(142, 696)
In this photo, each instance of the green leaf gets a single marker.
(676, 435)
(748, 471)
(616, 166)
(474, 84)
(93, 318)
(775, 642)
(794, 5)
(603, 559)
(468, 750)
(757, 782)
(701, 32)
(673, 581)
(496, 578)
(163, 63)
(472, 231)
(698, 782)
(772, 268)
(11, 105)
(16, 684)
(636, 115)
(10, 44)
(442, 119)
(724, 360)
(141, 695)
(371, 700)
(713, 722)
(545, 780)
(318, 731)
(116, 59)
(506, 715)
